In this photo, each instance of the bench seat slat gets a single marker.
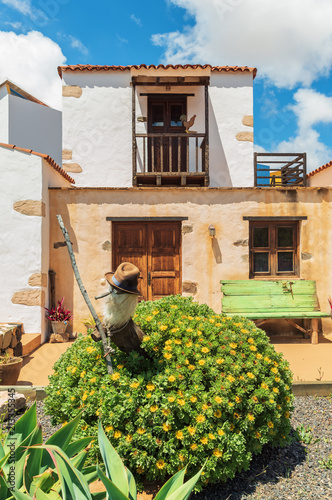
(270, 302)
(275, 314)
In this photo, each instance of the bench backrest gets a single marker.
(266, 296)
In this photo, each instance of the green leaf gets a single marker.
(113, 492)
(98, 496)
(4, 460)
(3, 489)
(171, 485)
(78, 460)
(32, 467)
(2, 451)
(115, 470)
(61, 438)
(132, 485)
(24, 426)
(43, 481)
(77, 446)
(184, 491)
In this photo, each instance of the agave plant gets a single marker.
(55, 470)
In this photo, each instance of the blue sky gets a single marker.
(289, 41)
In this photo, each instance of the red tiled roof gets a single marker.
(47, 158)
(90, 67)
(319, 169)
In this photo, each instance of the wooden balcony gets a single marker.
(179, 159)
(280, 169)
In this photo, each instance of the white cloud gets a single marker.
(16, 25)
(77, 44)
(25, 7)
(31, 61)
(136, 20)
(290, 42)
(311, 108)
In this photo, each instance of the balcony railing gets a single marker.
(170, 159)
(280, 169)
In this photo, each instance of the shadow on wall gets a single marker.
(219, 170)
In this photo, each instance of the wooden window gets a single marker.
(274, 248)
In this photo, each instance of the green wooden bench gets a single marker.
(266, 300)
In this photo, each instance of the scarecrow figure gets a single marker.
(120, 305)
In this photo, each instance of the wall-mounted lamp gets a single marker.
(212, 231)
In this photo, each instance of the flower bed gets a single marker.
(215, 389)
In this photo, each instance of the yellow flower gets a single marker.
(171, 399)
(221, 432)
(238, 399)
(139, 470)
(253, 348)
(251, 340)
(287, 414)
(275, 389)
(219, 361)
(167, 355)
(146, 338)
(174, 307)
(179, 435)
(243, 330)
(274, 370)
(218, 400)
(83, 374)
(267, 359)
(153, 408)
(193, 399)
(92, 380)
(255, 399)
(204, 440)
(181, 402)
(199, 333)
(259, 355)
(211, 436)
(119, 367)
(232, 427)
(230, 404)
(258, 435)
(231, 378)
(150, 387)
(156, 348)
(287, 387)
(250, 375)
(163, 327)
(129, 438)
(191, 430)
(271, 401)
(117, 434)
(149, 395)
(160, 464)
(233, 345)
(193, 446)
(270, 424)
(140, 430)
(232, 352)
(97, 412)
(168, 348)
(166, 412)
(277, 379)
(205, 406)
(177, 341)
(181, 457)
(217, 414)
(251, 417)
(72, 398)
(211, 320)
(205, 349)
(134, 385)
(217, 453)
(191, 367)
(236, 415)
(156, 311)
(92, 392)
(116, 376)
(189, 330)
(189, 343)
(264, 385)
(201, 362)
(90, 349)
(200, 419)
(166, 427)
(84, 397)
(171, 378)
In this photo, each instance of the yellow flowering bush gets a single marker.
(214, 389)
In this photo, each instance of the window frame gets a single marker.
(273, 249)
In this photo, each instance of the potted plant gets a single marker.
(10, 367)
(59, 317)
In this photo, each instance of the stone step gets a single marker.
(30, 342)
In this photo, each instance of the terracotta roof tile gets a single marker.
(319, 169)
(47, 158)
(91, 67)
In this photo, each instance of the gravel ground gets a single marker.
(290, 473)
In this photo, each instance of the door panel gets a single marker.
(155, 248)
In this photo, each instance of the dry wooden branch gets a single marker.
(86, 296)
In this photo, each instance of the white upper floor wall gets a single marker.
(28, 123)
(98, 121)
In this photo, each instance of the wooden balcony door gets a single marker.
(155, 248)
(166, 153)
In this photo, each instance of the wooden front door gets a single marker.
(166, 151)
(155, 248)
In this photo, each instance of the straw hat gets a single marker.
(125, 278)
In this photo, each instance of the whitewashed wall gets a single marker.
(34, 126)
(3, 116)
(97, 126)
(25, 238)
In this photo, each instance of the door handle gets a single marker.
(149, 278)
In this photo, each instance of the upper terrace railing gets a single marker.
(280, 169)
(171, 159)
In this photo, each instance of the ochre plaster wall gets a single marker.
(204, 261)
